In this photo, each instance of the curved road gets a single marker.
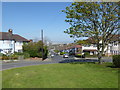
(22, 63)
(55, 59)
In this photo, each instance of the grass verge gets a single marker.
(61, 76)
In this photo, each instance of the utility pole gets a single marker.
(42, 43)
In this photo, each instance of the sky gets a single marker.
(0, 16)
(28, 18)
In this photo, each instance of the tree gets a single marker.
(56, 51)
(82, 42)
(35, 49)
(93, 19)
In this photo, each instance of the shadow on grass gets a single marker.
(112, 66)
(83, 61)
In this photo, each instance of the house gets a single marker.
(72, 49)
(76, 49)
(112, 48)
(92, 49)
(10, 43)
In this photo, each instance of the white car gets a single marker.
(65, 56)
(52, 55)
(2, 52)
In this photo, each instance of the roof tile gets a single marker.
(9, 36)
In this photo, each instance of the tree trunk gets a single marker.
(99, 54)
(99, 58)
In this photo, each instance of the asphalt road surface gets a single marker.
(55, 59)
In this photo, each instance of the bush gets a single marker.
(56, 51)
(87, 54)
(5, 57)
(18, 53)
(13, 56)
(116, 60)
(34, 49)
(26, 55)
(61, 53)
(79, 55)
(82, 63)
(1, 54)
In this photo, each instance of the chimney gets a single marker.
(30, 40)
(10, 31)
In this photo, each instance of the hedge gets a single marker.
(62, 53)
(116, 60)
(80, 55)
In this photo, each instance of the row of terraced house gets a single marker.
(10, 43)
(113, 48)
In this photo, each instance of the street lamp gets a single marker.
(42, 43)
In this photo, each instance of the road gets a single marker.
(22, 63)
(55, 59)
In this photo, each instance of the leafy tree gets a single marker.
(82, 42)
(56, 51)
(93, 19)
(35, 49)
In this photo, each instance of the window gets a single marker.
(18, 43)
(94, 45)
(10, 45)
(112, 43)
(115, 43)
(114, 52)
(111, 51)
(19, 50)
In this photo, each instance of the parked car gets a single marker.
(1, 51)
(65, 56)
(52, 55)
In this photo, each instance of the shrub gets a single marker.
(13, 57)
(1, 54)
(87, 54)
(82, 63)
(116, 60)
(26, 55)
(79, 55)
(5, 57)
(34, 49)
(61, 53)
(18, 53)
(56, 51)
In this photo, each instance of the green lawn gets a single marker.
(61, 76)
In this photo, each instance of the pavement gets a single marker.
(49, 60)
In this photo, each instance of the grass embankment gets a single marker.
(61, 76)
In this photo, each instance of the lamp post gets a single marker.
(42, 43)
